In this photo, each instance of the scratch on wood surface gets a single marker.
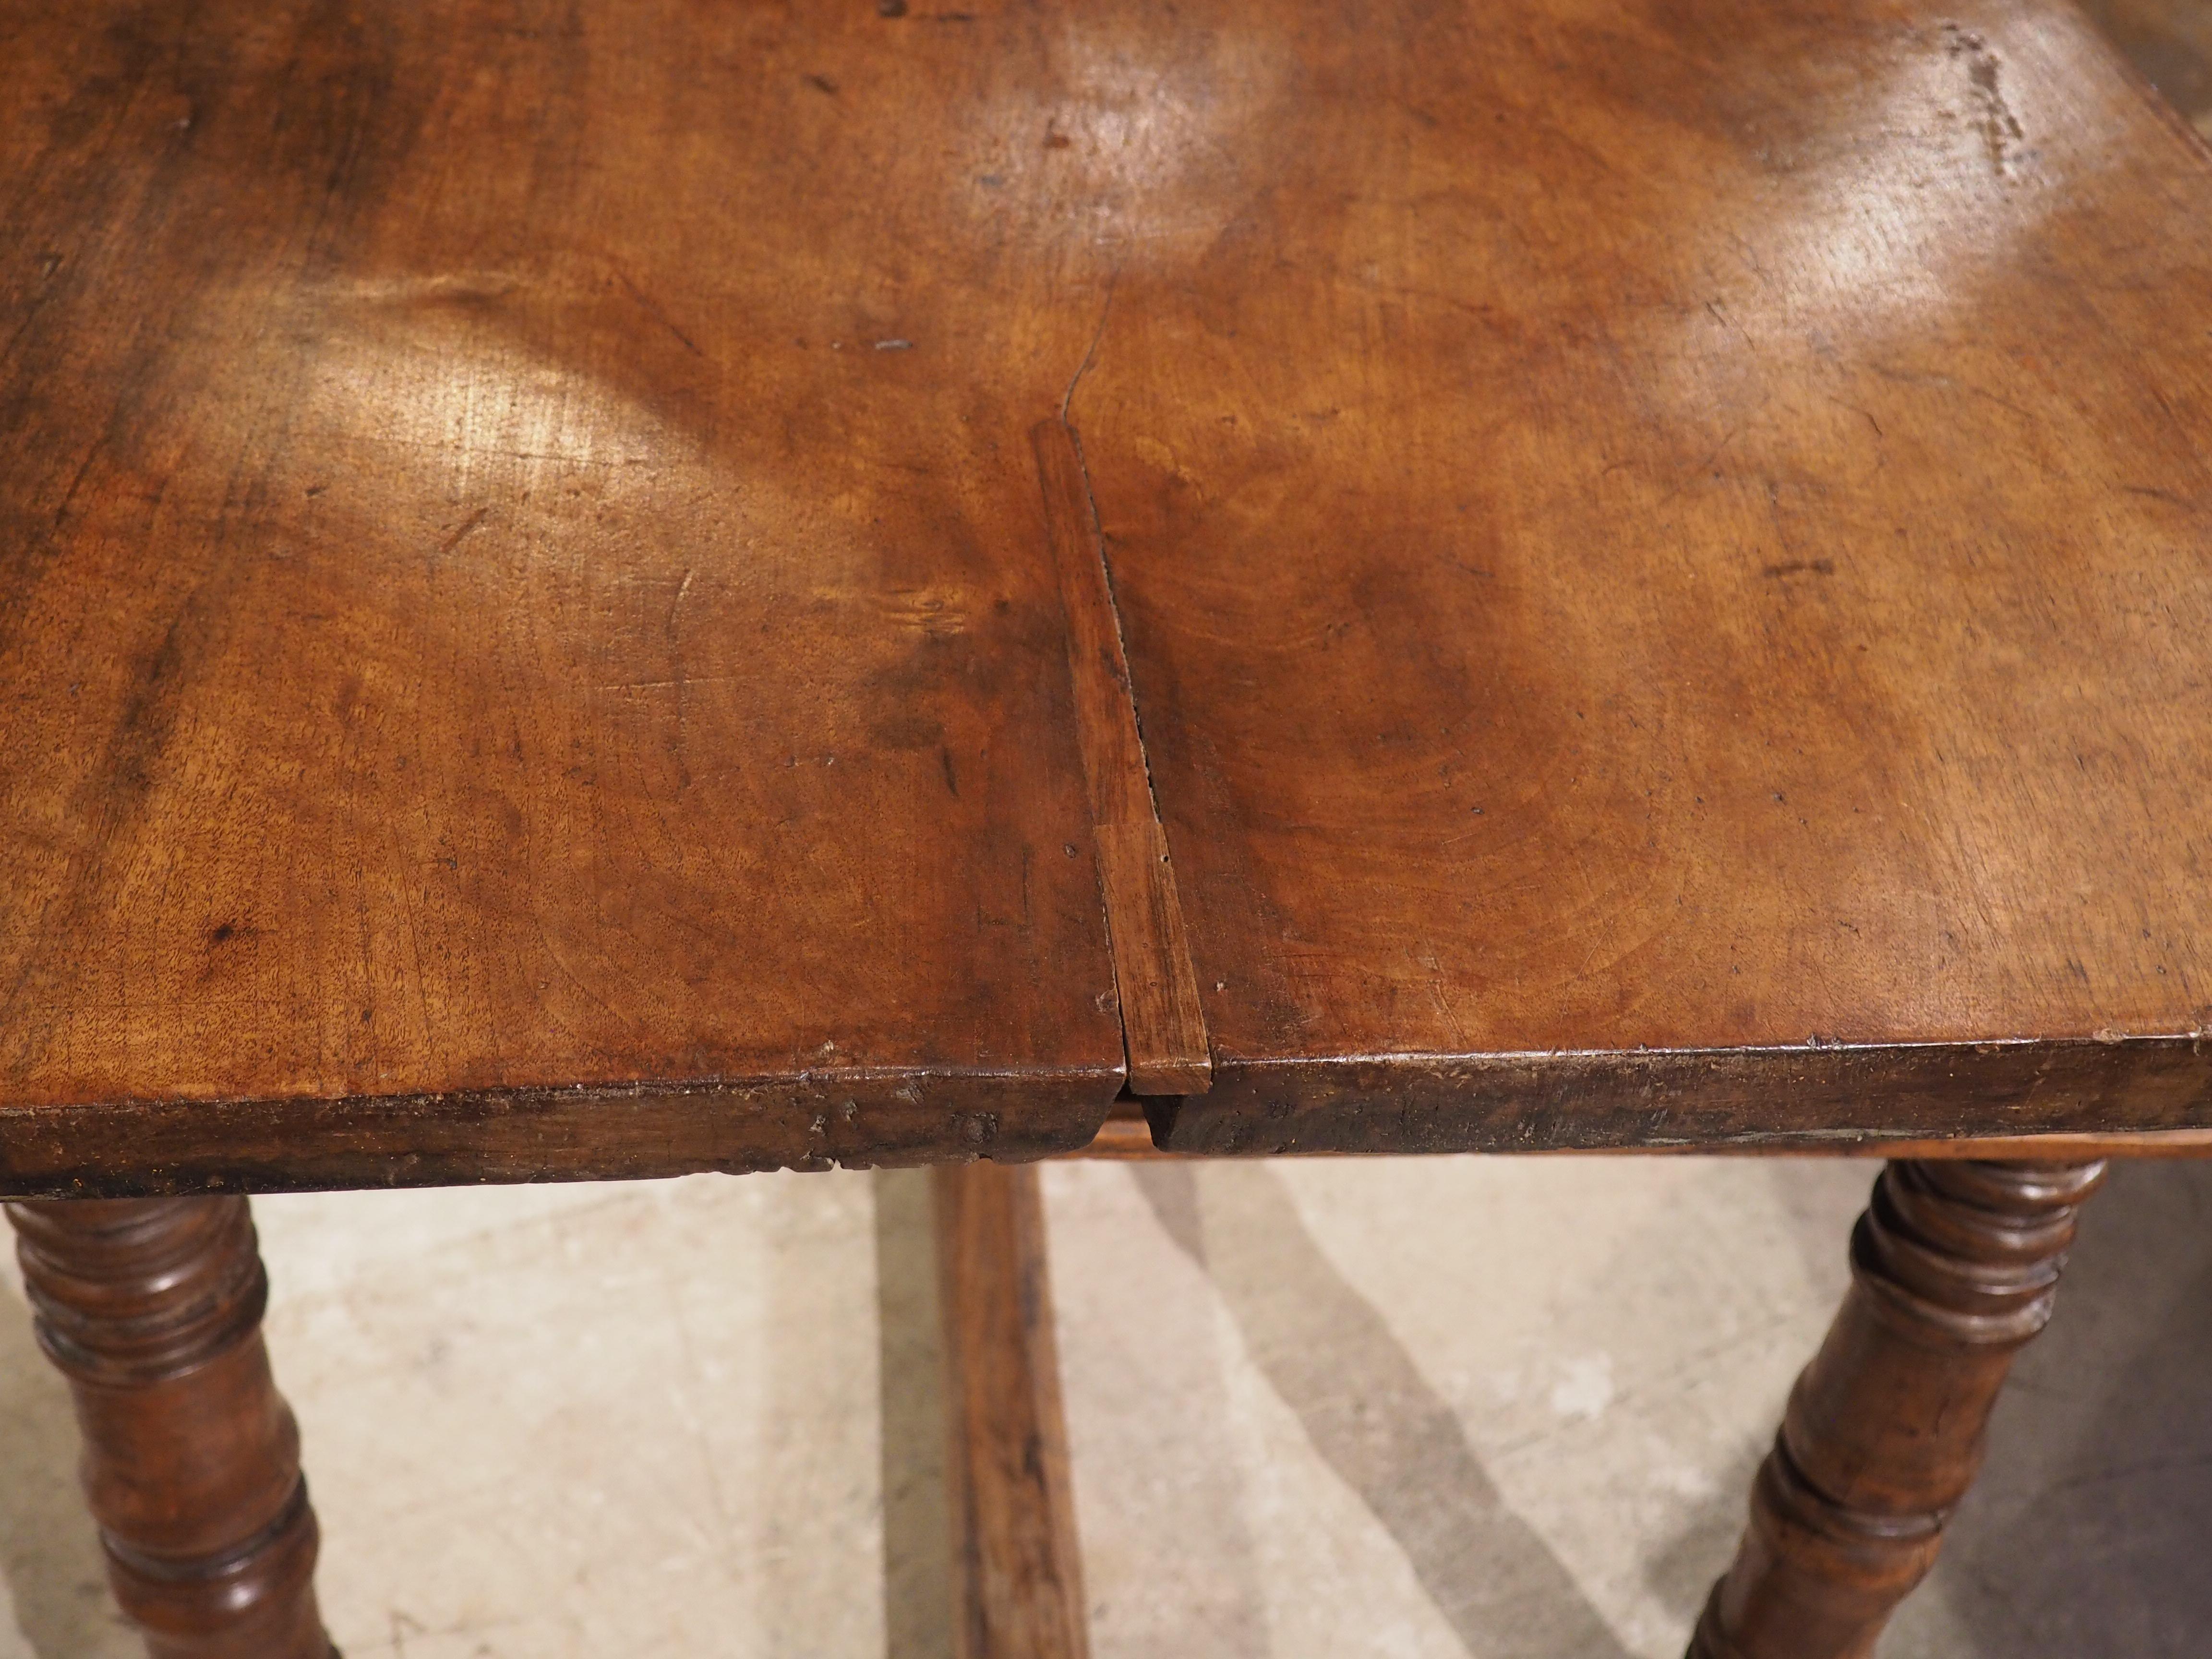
(474, 522)
(652, 308)
(677, 682)
(677, 603)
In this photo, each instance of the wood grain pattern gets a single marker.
(1954, 1268)
(1846, 1096)
(152, 1309)
(522, 572)
(1131, 1137)
(2169, 43)
(1105, 717)
(1662, 555)
(1020, 1571)
(856, 1118)
(1665, 553)
(1161, 1021)
(1162, 1025)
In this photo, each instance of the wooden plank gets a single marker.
(1660, 563)
(1018, 1567)
(1663, 570)
(1131, 1137)
(1105, 717)
(1162, 1024)
(1127, 1134)
(493, 685)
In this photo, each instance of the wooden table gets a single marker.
(623, 588)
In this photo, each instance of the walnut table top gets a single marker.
(642, 586)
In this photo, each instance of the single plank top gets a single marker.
(1666, 553)
(530, 644)
(1662, 549)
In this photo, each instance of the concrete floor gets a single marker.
(1495, 1407)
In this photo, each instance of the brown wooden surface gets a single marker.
(1016, 1565)
(524, 569)
(1666, 552)
(1954, 1268)
(152, 1309)
(1130, 1136)
(1662, 549)
(2169, 42)
(1162, 1027)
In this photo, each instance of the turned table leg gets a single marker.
(1953, 1268)
(152, 1309)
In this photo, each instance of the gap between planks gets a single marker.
(1162, 1027)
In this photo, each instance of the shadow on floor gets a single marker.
(2085, 1537)
(1374, 1418)
(50, 1558)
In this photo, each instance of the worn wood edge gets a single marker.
(1162, 1024)
(1122, 1139)
(1127, 1134)
(2060, 1148)
(1016, 1562)
(1864, 1098)
(167, 1148)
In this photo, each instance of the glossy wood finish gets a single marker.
(1662, 549)
(604, 590)
(1019, 1572)
(1954, 1266)
(152, 1309)
(1661, 553)
(526, 579)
